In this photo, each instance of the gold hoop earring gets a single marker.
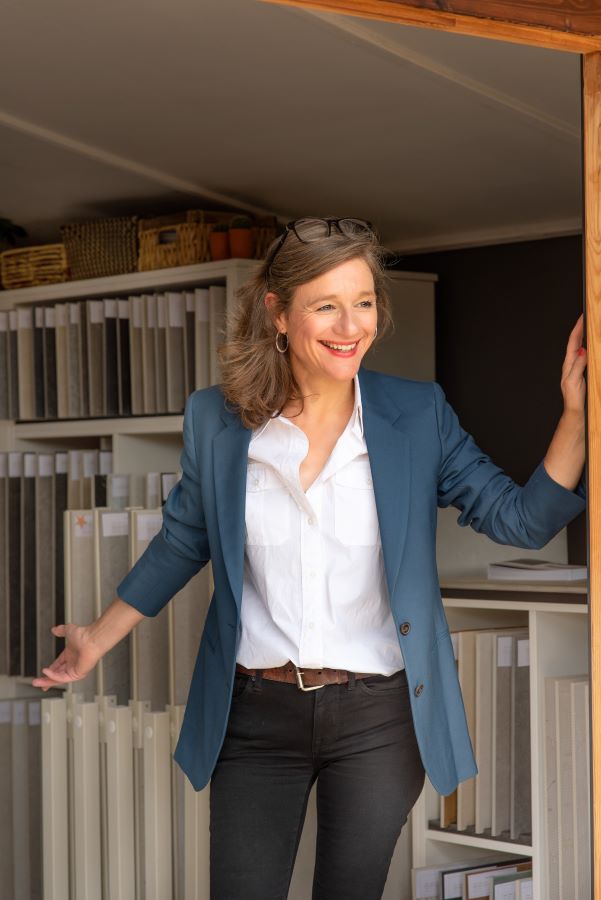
(375, 333)
(277, 342)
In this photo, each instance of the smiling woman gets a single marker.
(324, 288)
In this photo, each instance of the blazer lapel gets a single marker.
(389, 451)
(230, 457)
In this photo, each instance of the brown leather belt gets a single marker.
(305, 679)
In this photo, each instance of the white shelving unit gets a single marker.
(557, 618)
(139, 443)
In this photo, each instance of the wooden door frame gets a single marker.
(557, 27)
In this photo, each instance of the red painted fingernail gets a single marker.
(581, 351)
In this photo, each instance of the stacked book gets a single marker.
(567, 816)
(475, 879)
(535, 570)
(494, 674)
(35, 491)
(140, 355)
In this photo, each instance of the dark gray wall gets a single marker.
(503, 317)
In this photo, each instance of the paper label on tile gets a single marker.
(90, 463)
(168, 481)
(39, 318)
(524, 652)
(149, 525)
(479, 885)
(61, 314)
(74, 464)
(74, 317)
(83, 526)
(25, 317)
(123, 309)
(120, 486)
(176, 311)
(115, 524)
(34, 712)
(50, 317)
(504, 647)
(455, 643)
(45, 465)
(30, 465)
(110, 309)
(15, 465)
(105, 462)
(18, 712)
(5, 715)
(3, 321)
(136, 312)
(151, 312)
(96, 312)
(61, 464)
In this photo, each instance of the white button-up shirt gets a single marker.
(314, 589)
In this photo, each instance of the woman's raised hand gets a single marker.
(573, 385)
(78, 658)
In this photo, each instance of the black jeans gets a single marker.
(357, 739)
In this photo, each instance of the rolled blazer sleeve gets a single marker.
(181, 547)
(489, 500)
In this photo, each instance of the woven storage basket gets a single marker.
(181, 239)
(32, 266)
(101, 247)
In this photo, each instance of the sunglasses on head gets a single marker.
(308, 230)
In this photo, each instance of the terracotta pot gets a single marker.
(219, 245)
(242, 241)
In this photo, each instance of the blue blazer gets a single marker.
(420, 458)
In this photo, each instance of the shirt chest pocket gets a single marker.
(355, 513)
(267, 507)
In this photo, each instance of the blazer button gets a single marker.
(405, 628)
(419, 689)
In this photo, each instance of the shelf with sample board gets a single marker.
(134, 345)
(551, 622)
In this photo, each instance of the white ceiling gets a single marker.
(143, 107)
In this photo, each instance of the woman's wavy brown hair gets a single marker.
(257, 381)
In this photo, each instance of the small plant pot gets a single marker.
(242, 243)
(219, 245)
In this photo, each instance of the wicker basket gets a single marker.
(33, 266)
(101, 247)
(182, 239)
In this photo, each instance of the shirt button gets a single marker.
(405, 628)
(419, 689)
(311, 520)
(311, 624)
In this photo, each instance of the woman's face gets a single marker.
(331, 322)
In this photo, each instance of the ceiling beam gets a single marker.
(429, 63)
(430, 15)
(115, 161)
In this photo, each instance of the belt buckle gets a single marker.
(299, 681)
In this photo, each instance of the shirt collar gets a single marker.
(356, 422)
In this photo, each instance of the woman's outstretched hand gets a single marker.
(78, 658)
(573, 385)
